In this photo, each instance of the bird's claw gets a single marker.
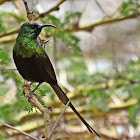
(27, 85)
(31, 93)
(26, 89)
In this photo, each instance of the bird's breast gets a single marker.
(25, 48)
(28, 68)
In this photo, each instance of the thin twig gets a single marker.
(13, 31)
(19, 130)
(7, 69)
(101, 8)
(118, 9)
(106, 20)
(49, 39)
(56, 123)
(45, 112)
(30, 15)
(56, 7)
(87, 27)
(26, 6)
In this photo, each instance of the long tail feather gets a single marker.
(62, 96)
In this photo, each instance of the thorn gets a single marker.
(48, 40)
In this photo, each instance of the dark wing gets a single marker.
(46, 66)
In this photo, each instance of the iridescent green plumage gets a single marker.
(34, 64)
(30, 58)
(26, 43)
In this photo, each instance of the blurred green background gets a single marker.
(95, 52)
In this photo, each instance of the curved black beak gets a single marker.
(45, 25)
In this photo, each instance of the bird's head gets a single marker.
(32, 29)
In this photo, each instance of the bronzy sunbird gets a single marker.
(34, 65)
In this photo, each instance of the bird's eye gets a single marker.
(34, 26)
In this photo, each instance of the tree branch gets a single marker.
(105, 20)
(24, 133)
(56, 7)
(7, 69)
(13, 31)
(87, 27)
(101, 8)
(56, 123)
(45, 112)
(30, 15)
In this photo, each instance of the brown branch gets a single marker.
(87, 27)
(7, 69)
(45, 112)
(35, 18)
(105, 20)
(56, 123)
(24, 133)
(13, 31)
(98, 114)
(101, 8)
(26, 6)
(30, 15)
(56, 7)
(48, 40)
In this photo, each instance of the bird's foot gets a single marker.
(27, 85)
(31, 93)
(26, 89)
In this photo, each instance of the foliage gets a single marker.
(67, 37)
(98, 88)
(40, 94)
(2, 29)
(134, 113)
(130, 7)
(4, 56)
(3, 138)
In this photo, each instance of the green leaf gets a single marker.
(130, 7)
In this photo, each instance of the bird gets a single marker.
(34, 65)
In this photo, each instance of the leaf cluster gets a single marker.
(130, 7)
(99, 88)
(67, 37)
